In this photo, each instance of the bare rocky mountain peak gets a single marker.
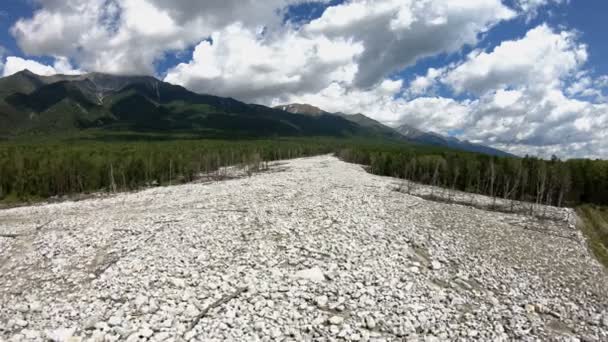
(297, 108)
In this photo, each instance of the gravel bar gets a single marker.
(313, 250)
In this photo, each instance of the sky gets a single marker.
(525, 76)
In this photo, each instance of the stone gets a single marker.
(336, 320)
(114, 321)
(35, 306)
(21, 322)
(408, 287)
(436, 265)
(355, 337)
(191, 311)
(61, 334)
(161, 336)
(31, 334)
(23, 308)
(370, 322)
(259, 326)
(145, 332)
(91, 323)
(141, 300)
(178, 282)
(313, 274)
(321, 301)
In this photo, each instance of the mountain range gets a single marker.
(403, 131)
(31, 104)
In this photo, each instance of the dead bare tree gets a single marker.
(112, 180)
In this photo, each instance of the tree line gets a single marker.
(32, 171)
(529, 179)
(38, 171)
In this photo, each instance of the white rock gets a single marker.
(312, 274)
(436, 265)
(21, 322)
(115, 321)
(178, 282)
(370, 322)
(35, 306)
(161, 336)
(336, 320)
(61, 334)
(530, 308)
(31, 334)
(321, 301)
(191, 311)
(21, 308)
(145, 332)
(141, 300)
(408, 286)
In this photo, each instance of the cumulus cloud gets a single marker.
(542, 58)
(397, 33)
(61, 66)
(530, 8)
(524, 100)
(425, 84)
(240, 63)
(128, 36)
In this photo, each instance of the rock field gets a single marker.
(313, 250)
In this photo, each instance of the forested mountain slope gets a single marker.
(32, 104)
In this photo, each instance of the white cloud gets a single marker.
(588, 86)
(530, 8)
(397, 33)
(523, 87)
(250, 67)
(128, 36)
(435, 114)
(542, 59)
(425, 84)
(61, 66)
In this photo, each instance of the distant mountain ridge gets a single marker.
(403, 132)
(31, 104)
(42, 105)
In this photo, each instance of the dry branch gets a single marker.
(14, 236)
(216, 304)
(309, 251)
(11, 236)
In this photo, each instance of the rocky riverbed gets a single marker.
(313, 250)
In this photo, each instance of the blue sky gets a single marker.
(529, 76)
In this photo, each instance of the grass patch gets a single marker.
(595, 228)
